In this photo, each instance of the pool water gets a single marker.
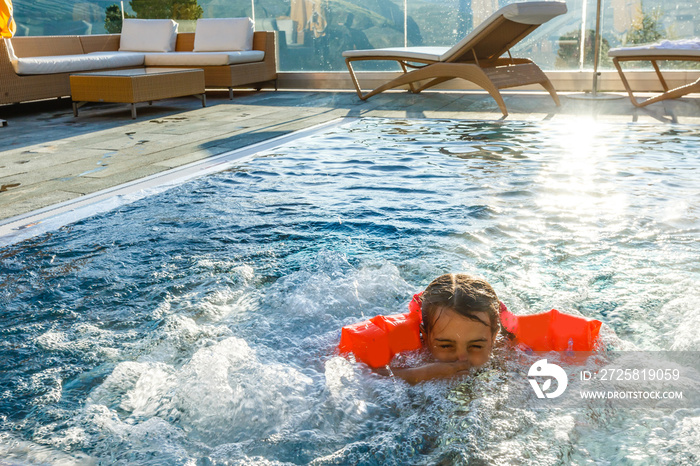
(198, 325)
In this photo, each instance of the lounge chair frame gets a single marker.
(502, 74)
(489, 72)
(674, 93)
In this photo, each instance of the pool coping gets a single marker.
(28, 225)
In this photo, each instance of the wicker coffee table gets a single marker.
(137, 85)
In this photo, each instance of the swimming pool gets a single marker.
(197, 326)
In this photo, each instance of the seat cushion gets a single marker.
(223, 35)
(667, 48)
(148, 35)
(203, 58)
(419, 53)
(73, 63)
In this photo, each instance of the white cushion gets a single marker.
(649, 52)
(420, 53)
(73, 63)
(148, 35)
(223, 35)
(665, 48)
(203, 58)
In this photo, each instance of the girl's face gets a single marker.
(458, 338)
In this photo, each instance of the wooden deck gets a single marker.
(49, 156)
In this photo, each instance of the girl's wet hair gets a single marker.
(466, 295)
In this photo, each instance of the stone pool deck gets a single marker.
(48, 156)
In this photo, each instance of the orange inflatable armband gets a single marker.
(376, 341)
(552, 330)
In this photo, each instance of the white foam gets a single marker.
(224, 391)
(18, 452)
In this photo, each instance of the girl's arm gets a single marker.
(436, 370)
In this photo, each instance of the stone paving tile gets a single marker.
(80, 140)
(33, 196)
(128, 161)
(261, 129)
(21, 139)
(184, 125)
(64, 172)
(231, 128)
(30, 203)
(87, 185)
(12, 196)
(228, 112)
(245, 139)
(185, 149)
(141, 143)
(99, 111)
(191, 156)
(17, 163)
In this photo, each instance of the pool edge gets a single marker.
(27, 225)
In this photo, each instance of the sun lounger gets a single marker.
(476, 58)
(683, 50)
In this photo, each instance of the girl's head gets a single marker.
(460, 318)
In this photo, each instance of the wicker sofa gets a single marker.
(15, 88)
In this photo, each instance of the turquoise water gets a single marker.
(197, 326)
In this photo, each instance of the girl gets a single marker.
(456, 320)
(460, 321)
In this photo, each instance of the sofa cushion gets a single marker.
(74, 63)
(148, 35)
(203, 58)
(223, 35)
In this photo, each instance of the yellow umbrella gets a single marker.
(7, 23)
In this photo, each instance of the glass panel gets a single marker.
(69, 17)
(556, 44)
(440, 23)
(629, 23)
(314, 33)
(52, 17)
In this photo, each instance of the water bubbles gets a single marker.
(223, 394)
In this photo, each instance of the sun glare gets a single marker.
(574, 188)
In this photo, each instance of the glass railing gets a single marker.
(314, 33)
